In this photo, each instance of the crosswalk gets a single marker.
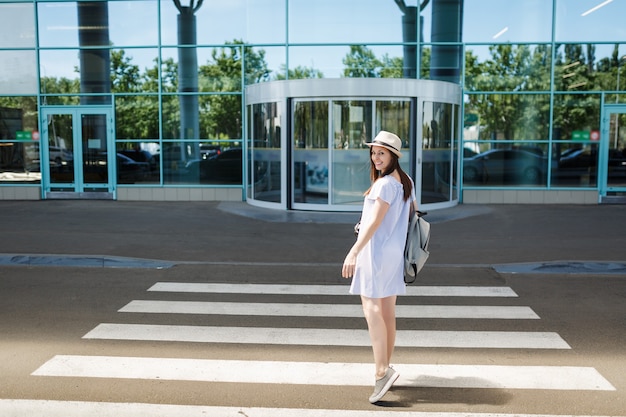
(331, 301)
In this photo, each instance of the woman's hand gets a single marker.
(349, 265)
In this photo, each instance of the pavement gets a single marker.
(558, 239)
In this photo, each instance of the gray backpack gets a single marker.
(416, 248)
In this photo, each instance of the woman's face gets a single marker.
(381, 157)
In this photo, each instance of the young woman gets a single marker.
(376, 261)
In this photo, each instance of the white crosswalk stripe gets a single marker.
(325, 310)
(317, 373)
(415, 291)
(326, 337)
(30, 408)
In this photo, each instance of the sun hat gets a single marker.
(387, 140)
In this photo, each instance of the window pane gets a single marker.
(350, 21)
(124, 29)
(310, 152)
(265, 163)
(586, 67)
(508, 68)
(352, 124)
(17, 72)
(136, 117)
(589, 21)
(143, 155)
(348, 61)
(507, 116)
(259, 21)
(575, 164)
(506, 163)
(19, 145)
(134, 70)
(437, 137)
(507, 21)
(17, 25)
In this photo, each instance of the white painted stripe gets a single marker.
(325, 337)
(421, 291)
(325, 310)
(318, 373)
(47, 408)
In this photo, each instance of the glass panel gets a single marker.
(506, 163)
(141, 154)
(220, 163)
(437, 138)
(617, 151)
(259, 21)
(351, 21)
(137, 117)
(94, 144)
(134, 70)
(265, 163)
(57, 24)
(19, 140)
(310, 152)
(352, 124)
(456, 144)
(61, 148)
(585, 67)
(19, 162)
(575, 116)
(17, 25)
(589, 20)
(220, 116)
(507, 116)
(508, 68)
(347, 61)
(60, 22)
(517, 21)
(395, 116)
(175, 155)
(18, 72)
(574, 164)
(210, 162)
(125, 14)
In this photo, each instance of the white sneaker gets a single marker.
(383, 384)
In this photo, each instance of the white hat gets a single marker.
(387, 140)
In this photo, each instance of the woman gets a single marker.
(376, 261)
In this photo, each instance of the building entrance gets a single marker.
(77, 153)
(612, 158)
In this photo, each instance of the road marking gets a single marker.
(325, 310)
(325, 337)
(47, 408)
(425, 291)
(318, 373)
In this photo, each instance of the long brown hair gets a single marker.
(375, 174)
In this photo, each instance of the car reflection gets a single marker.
(223, 167)
(516, 166)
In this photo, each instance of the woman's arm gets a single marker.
(365, 234)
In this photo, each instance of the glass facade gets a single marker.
(542, 107)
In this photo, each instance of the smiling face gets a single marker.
(381, 158)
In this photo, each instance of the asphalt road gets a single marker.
(563, 355)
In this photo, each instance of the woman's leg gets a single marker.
(389, 316)
(381, 322)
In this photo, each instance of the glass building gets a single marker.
(270, 101)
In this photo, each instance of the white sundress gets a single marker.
(379, 271)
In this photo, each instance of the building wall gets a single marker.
(536, 75)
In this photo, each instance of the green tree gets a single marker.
(361, 62)
(220, 114)
(299, 73)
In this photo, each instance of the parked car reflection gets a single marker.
(223, 167)
(130, 171)
(500, 166)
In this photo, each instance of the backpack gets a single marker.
(416, 248)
